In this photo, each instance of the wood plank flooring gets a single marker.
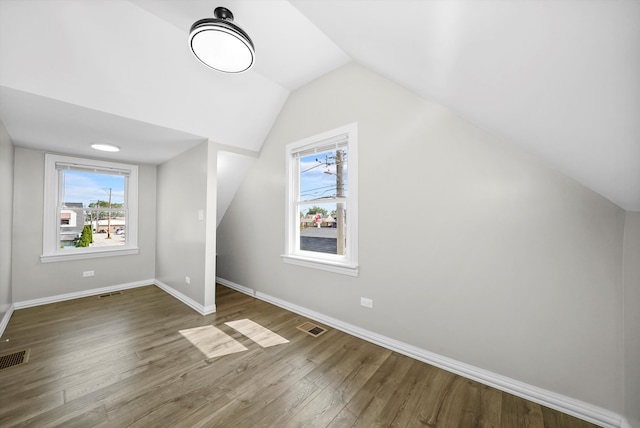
(121, 361)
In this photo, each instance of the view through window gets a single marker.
(92, 209)
(321, 230)
(323, 195)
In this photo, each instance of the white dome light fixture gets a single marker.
(105, 147)
(221, 44)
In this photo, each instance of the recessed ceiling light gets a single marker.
(105, 147)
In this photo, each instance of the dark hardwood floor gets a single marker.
(144, 359)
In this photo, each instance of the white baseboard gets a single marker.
(202, 310)
(5, 319)
(79, 294)
(96, 291)
(237, 287)
(564, 404)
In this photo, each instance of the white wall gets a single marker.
(6, 217)
(468, 247)
(231, 170)
(35, 280)
(185, 184)
(632, 317)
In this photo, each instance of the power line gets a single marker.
(309, 169)
(332, 185)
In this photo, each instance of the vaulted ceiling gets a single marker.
(560, 79)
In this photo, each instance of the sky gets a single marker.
(87, 187)
(318, 179)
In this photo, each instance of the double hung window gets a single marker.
(322, 204)
(90, 208)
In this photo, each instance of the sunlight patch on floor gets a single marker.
(211, 341)
(259, 334)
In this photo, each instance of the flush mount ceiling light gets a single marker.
(105, 147)
(220, 44)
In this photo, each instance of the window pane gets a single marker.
(323, 228)
(102, 228)
(324, 175)
(92, 211)
(93, 187)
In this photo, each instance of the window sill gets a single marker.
(330, 266)
(50, 258)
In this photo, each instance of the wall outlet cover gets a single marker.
(367, 303)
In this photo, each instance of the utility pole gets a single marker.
(109, 216)
(96, 214)
(90, 217)
(341, 241)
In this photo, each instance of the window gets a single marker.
(90, 209)
(322, 203)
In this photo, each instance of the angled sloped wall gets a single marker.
(469, 248)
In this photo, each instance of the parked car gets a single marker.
(120, 231)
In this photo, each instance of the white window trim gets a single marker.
(50, 250)
(348, 264)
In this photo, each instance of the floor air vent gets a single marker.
(312, 329)
(115, 293)
(14, 359)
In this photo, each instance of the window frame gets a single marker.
(342, 264)
(51, 222)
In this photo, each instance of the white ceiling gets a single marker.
(53, 125)
(560, 79)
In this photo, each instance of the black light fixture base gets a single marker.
(223, 13)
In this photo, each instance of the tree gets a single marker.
(315, 210)
(85, 238)
(89, 231)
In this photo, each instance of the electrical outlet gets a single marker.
(367, 303)
(87, 273)
(187, 280)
